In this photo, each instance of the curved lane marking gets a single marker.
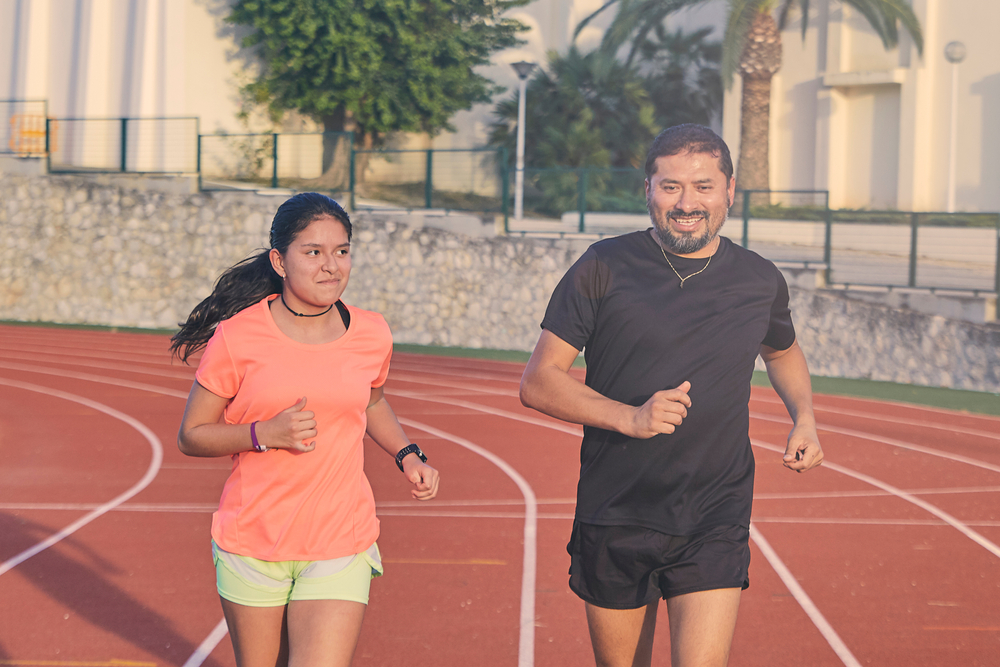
(100, 379)
(151, 471)
(958, 458)
(812, 611)
(909, 497)
(894, 420)
(526, 642)
(575, 431)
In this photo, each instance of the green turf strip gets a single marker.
(939, 397)
(951, 399)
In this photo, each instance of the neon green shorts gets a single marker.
(260, 583)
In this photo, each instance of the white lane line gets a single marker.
(124, 368)
(958, 458)
(942, 491)
(96, 352)
(526, 643)
(208, 645)
(100, 379)
(157, 456)
(478, 407)
(950, 428)
(154, 466)
(960, 526)
(912, 406)
(814, 614)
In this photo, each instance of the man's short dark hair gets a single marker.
(689, 138)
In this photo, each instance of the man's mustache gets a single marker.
(686, 214)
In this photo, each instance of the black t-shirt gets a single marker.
(641, 333)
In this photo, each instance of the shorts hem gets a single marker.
(252, 603)
(607, 605)
(706, 587)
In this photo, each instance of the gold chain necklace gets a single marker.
(675, 270)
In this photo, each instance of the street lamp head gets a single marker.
(954, 52)
(523, 69)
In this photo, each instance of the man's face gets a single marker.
(688, 200)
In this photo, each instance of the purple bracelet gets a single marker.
(253, 437)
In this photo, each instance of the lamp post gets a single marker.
(523, 70)
(954, 52)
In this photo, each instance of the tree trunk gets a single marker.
(759, 61)
(336, 152)
(752, 173)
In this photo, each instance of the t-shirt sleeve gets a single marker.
(780, 332)
(572, 311)
(383, 374)
(217, 371)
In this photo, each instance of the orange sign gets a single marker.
(27, 134)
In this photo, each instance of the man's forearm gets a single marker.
(789, 375)
(554, 392)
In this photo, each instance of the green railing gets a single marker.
(136, 145)
(889, 249)
(448, 179)
(893, 249)
(317, 161)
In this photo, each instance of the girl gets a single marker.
(290, 382)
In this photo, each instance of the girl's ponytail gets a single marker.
(242, 285)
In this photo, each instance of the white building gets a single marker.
(869, 125)
(873, 126)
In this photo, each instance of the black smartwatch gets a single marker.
(406, 451)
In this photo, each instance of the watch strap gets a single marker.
(406, 451)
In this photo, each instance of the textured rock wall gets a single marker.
(76, 251)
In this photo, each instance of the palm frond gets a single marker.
(741, 14)
(786, 5)
(583, 24)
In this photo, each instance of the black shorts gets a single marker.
(628, 567)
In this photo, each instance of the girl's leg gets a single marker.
(259, 634)
(323, 633)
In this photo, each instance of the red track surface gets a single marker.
(893, 545)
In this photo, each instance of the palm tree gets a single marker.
(752, 47)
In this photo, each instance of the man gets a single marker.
(671, 320)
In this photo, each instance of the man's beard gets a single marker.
(685, 244)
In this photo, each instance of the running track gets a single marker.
(887, 555)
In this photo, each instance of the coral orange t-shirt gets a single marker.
(284, 505)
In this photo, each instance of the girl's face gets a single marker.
(316, 265)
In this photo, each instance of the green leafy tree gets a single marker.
(681, 74)
(374, 66)
(752, 48)
(582, 111)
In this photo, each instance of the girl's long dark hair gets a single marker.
(252, 279)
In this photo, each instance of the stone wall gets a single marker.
(77, 250)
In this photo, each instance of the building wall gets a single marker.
(873, 125)
(115, 58)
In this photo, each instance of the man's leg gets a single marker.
(622, 637)
(702, 626)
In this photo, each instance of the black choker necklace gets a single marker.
(282, 297)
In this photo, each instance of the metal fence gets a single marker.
(317, 161)
(449, 179)
(22, 128)
(894, 249)
(137, 145)
(878, 248)
(888, 249)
